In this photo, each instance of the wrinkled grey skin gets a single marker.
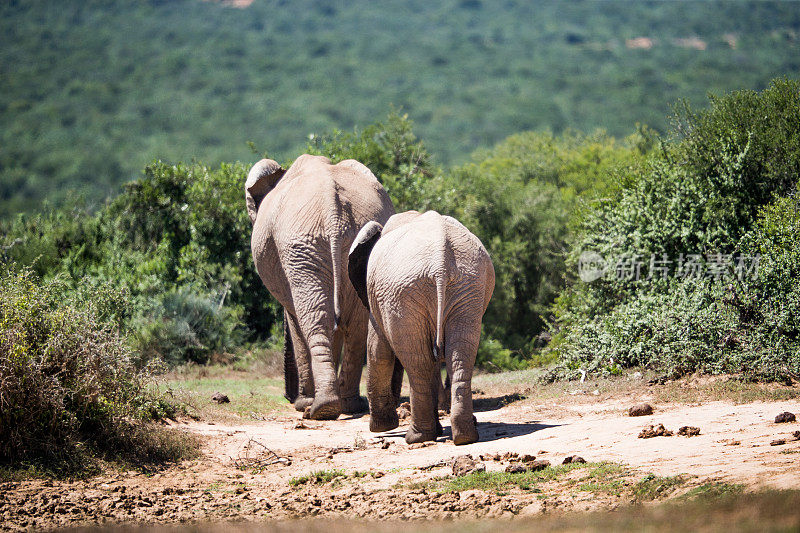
(427, 281)
(304, 221)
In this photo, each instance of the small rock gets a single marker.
(538, 465)
(220, 398)
(655, 431)
(778, 442)
(643, 409)
(404, 410)
(516, 468)
(796, 435)
(527, 458)
(689, 431)
(465, 464)
(573, 459)
(385, 445)
(785, 417)
(418, 445)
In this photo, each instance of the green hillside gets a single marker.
(91, 90)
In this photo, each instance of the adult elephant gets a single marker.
(304, 221)
(427, 282)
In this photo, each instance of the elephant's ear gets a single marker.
(359, 257)
(262, 178)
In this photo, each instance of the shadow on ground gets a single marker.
(490, 431)
(487, 431)
(495, 403)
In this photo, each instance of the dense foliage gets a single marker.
(176, 241)
(723, 192)
(521, 199)
(92, 90)
(69, 387)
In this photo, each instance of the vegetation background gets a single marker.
(92, 90)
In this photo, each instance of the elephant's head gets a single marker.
(359, 256)
(262, 178)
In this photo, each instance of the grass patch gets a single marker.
(714, 490)
(505, 481)
(692, 389)
(605, 478)
(652, 487)
(719, 388)
(599, 478)
(318, 477)
(250, 397)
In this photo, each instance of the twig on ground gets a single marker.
(255, 455)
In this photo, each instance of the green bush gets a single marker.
(721, 187)
(187, 327)
(69, 389)
(177, 241)
(521, 199)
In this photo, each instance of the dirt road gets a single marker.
(340, 469)
(733, 446)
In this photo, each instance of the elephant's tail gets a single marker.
(336, 256)
(438, 347)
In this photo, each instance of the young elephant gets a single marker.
(304, 221)
(427, 282)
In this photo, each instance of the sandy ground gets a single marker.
(733, 446)
(384, 478)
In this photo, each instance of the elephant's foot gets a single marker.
(324, 410)
(379, 423)
(354, 405)
(302, 402)
(413, 435)
(465, 433)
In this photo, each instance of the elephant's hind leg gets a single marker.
(461, 348)
(381, 364)
(425, 383)
(303, 361)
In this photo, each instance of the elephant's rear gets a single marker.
(429, 282)
(427, 273)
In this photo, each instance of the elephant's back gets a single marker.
(428, 243)
(410, 258)
(316, 209)
(317, 198)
